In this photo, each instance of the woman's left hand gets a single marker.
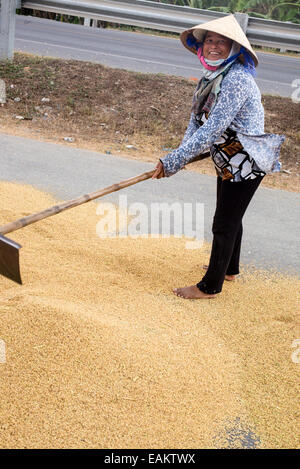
(159, 171)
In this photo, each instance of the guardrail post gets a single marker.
(90, 22)
(7, 28)
(242, 19)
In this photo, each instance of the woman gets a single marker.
(228, 117)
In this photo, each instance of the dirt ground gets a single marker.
(113, 111)
(101, 354)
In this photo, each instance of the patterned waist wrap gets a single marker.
(231, 161)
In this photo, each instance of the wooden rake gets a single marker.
(9, 249)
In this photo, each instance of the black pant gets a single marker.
(233, 199)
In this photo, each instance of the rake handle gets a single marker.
(55, 209)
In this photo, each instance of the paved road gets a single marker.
(271, 223)
(138, 52)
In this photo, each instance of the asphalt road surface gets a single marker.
(271, 223)
(138, 52)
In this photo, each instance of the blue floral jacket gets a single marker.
(239, 108)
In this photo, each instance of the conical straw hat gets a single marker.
(226, 26)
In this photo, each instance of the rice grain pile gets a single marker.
(101, 354)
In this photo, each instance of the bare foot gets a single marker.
(230, 278)
(192, 292)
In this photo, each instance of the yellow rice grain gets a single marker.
(101, 354)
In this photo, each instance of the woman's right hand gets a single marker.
(159, 171)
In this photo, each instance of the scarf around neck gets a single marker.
(209, 86)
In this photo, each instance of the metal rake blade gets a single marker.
(9, 259)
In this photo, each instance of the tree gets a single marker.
(268, 9)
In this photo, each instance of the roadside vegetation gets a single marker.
(112, 111)
(267, 9)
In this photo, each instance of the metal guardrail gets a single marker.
(133, 12)
(173, 18)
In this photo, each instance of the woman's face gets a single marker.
(216, 46)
